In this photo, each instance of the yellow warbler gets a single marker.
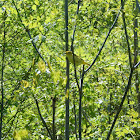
(78, 60)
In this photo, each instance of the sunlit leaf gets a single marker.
(34, 7)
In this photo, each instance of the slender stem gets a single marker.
(137, 65)
(53, 104)
(42, 119)
(80, 104)
(123, 17)
(72, 48)
(67, 73)
(28, 31)
(2, 76)
(75, 116)
(124, 96)
(136, 50)
(103, 42)
(137, 6)
(80, 113)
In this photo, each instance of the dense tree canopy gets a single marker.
(42, 96)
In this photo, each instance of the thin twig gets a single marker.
(72, 48)
(67, 74)
(53, 104)
(137, 65)
(136, 50)
(129, 81)
(80, 104)
(2, 77)
(103, 42)
(137, 6)
(28, 31)
(124, 96)
(75, 116)
(123, 17)
(12, 119)
(43, 121)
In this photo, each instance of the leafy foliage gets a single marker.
(27, 77)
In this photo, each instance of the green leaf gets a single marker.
(34, 7)
(36, 2)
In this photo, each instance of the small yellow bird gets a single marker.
(78, 60)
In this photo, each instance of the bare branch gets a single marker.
(2, 77)
(43, 121)
(103, 42)
(124, 96)
(123, 17)
(137, 65)
(28, 31)
(72, 48)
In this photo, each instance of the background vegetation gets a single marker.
(34, 98)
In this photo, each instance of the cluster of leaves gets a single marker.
(26, 76)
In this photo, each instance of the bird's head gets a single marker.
(68, 52)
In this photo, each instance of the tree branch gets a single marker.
(137, 65)
(103, 42)
(43, 121)
(72, 48)
(28, 31)
(123, 17)
(124, 96)
(2, 77)
(67, 74)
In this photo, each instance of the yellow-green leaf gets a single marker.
(34, 7)
(36, 2)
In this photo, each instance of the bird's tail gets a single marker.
(86, 64)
